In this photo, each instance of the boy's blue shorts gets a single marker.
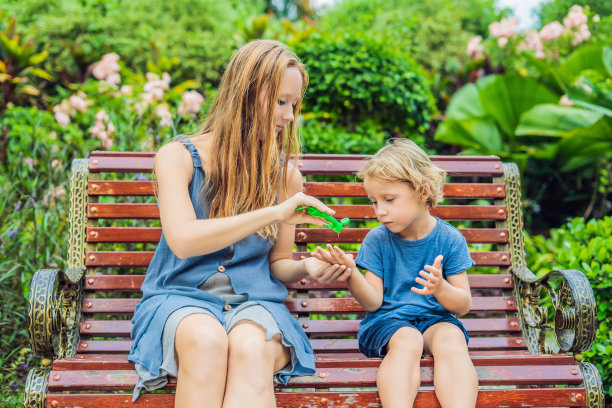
(373, 340)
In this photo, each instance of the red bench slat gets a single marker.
(510, 398)
(133, 282)
(319, 345)
(318, 189)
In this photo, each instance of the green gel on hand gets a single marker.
(333, 223)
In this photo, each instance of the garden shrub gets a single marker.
(585, 246)
(200, 33)
(353, 78)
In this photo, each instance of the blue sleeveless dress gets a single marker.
(172, 283)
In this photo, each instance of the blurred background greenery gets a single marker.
(456, 76)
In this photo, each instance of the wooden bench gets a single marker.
(79, 317)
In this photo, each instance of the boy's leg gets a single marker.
(200, 344)
(399, 374)
(252, 364)
(455, 379)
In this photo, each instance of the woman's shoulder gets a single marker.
(173, 155)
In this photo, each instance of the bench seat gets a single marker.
(525, 354)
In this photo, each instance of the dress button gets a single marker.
(221, 268)
(227, 307)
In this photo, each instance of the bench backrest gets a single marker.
(113, 203)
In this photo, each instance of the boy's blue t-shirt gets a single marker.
(398, 262)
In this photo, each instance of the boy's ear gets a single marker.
(426, 192)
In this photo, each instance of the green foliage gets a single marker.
(77, 33)
(18, 61)
(433, 32)
(354, 77)
(557, 9)
(585, 246)
(322, 137)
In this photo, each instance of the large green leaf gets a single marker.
(465, 104)
(581, 145)
(481, 135)
(607, 60)
(509, 96)
(555, 120)
(586, 57)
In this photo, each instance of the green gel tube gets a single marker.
(333, 223)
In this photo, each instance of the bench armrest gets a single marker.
(575, 310)
(54, 314)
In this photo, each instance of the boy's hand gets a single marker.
(335, 256)
(431, 281)
(325, 272)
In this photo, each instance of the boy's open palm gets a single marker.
(432, 280)
(335, 256)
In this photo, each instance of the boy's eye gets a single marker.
(281, 103)
(389, 199)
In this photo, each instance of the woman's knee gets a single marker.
(247, 342)
(408, 341)
(201, 335)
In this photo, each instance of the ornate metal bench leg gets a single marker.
(593, 385)
(36, 387)
(54, 314)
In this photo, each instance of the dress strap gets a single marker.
(195, 156)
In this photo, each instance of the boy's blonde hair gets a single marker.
(405, 161)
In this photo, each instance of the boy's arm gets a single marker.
(368, 289)
(453, 293)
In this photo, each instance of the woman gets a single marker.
(212, 312)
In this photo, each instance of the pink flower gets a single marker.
(565, 101)
(164, 114)
(551, 31)
(54, 163)
(502, 41)
(533, 42)
(62, 118)
(504, 28)
(596, 18)
(581, 35)
(191, 103)
(155, 86)
(474, 47)
(107, 69)
(575, 17)
(79, 102)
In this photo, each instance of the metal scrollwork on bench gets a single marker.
(575, 319)
(36, 388)
(593, 385)
(54, 314)
(78, 220)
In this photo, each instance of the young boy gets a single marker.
(415, 281)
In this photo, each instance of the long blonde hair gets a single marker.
(245, 153)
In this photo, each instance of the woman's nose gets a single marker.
(288, 114)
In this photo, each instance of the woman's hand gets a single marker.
(286, 210)
(325, 272)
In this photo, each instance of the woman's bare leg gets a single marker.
(201, 346)
(399, 374)
(252, 364)
(455, 379)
